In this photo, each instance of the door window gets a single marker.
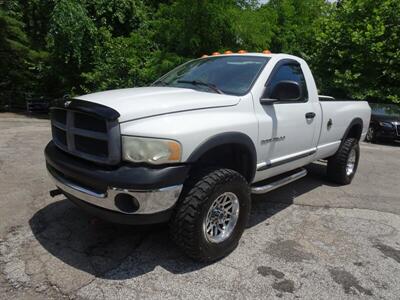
(292, 72)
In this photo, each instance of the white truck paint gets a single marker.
(190, 151)
(191, 117)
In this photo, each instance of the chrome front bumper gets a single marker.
(150, 201)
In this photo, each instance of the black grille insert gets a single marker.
(86, 135)
(59, 135)
(59, 115)
(88, 122)
(91, 146)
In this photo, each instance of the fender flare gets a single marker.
(225, 138)
(355, 121)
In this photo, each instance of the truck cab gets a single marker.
(192, 147)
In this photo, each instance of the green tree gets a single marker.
(72, 33)
(296, 24)
(16, 58)
(118, 63)
(358, 50)
(52, 47)
(120, 17)
(192, 28)
(254, 26)
(36, 16)
(82, 36)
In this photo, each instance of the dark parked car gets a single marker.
(385, 122)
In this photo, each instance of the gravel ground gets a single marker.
(310, 239)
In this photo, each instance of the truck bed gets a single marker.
(341, 113)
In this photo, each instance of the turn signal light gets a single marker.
(242, 51)
(215, 53)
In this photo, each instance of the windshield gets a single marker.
(232, 75)
(390, 110)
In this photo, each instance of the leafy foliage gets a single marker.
(72, 33)
(132, 61)
(297, 23)
(15, 58)
(50, 47)
(358, 50)
(195, 27)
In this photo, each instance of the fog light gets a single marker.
(126, 203)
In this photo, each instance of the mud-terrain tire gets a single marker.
(343, 165)
(211, 198)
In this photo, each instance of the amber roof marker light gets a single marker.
(267, 52)
(215, 53)
(228, 52)
(242, 51)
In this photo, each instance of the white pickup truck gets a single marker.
(191, 148)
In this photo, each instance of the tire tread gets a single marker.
(337, 163)
(195, 193)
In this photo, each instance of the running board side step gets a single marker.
(278, 183)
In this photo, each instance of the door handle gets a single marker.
(310, 115)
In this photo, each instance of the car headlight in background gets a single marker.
(149, 150)
(386, 124)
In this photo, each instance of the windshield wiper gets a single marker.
(198, 82)
(162, 83)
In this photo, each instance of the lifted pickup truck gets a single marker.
(191, 148)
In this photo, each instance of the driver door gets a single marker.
(290, 128)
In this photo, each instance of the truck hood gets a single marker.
(137, 103)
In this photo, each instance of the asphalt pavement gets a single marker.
(308, 240)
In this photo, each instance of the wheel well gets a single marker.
(231, 156)
(355, 131)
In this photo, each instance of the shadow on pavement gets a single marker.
(114, 251)
(103, 249)
(266, 205)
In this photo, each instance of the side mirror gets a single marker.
(285, 90)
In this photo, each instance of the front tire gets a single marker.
(343, 165)
(212, 214)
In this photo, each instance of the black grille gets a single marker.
(91, 146)
(59, 115)
(86, 135)
(88, 122)
(60, 135)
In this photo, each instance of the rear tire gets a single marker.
(343, 165)
(212, 214)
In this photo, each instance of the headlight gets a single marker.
(386, 124)
(148, 150)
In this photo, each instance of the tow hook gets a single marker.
(55, 192)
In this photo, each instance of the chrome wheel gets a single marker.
(351, 162)
(370, 134)
(221, 218)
